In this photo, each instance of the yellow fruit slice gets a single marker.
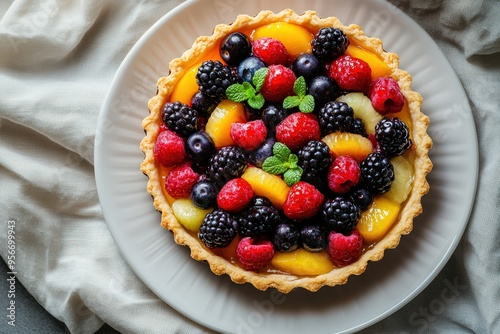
(378, 219)
(379, 68)
(303, 263)
(363, 109)
(219, 123)
(267, 185)
(403, 180)
(189, 215)
(345, 143)
(296, 39)
(186, 87)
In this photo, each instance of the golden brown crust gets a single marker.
(284, 282)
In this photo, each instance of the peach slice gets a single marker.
(344, 143)
(378, 219)
(296, 39)
(186, 87)
(379, 68)
(267, 185)
(219, 123)
(303, 263)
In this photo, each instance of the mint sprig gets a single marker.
(304, 101)
(249, 92)
(283, 161)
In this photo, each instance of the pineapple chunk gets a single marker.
(189, 215)
(219, 123)
(267, 185)
(303, 263)
(378, 219)
(344, 143)
(403, 180)
(363, 109)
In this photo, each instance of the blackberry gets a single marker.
(377, 173)
(204, 104)
(228, 163)
(335, 116)
(341, 214)
(313, 238)
(213, 78)
(315, 160)
(180, 118)
(358, 127)
(393, 136)
(218, 229)
(286, 237)
(329, 43)
(259, 219)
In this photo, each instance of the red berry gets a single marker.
(297, 130)
(181, 180)
(375, 144)
(254, 255)
(235, 195)
(351, 74)
(386, 96)
(344, 174)
(169, 149)
(271, 51)
(163, 127)
(249, 135)
(278, 83)
(344, 249)
(303, 201)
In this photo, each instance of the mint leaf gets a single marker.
(240, 92)
(256, 101)
(292, 176)
(299, 87)
(281, 151)
(259, 77)
(293, 159)
(307, 104)
(291, 102)
(274, 165)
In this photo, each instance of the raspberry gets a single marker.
(218, 229)
(169, 149)
(303, 201)
(377, 173)
(180, 181)
(180, 118)
(278, 84)
(213, 78)
(249, 135)
(351, 74)
(335, 116)
(297, 130)
(329, 43)
(235, 195)
(259, 219)
(344, 174)
(344, 249)
(393, 136)
(341, 214)
(271, 51)
(226, 164)
(386, 96)
(254, 255)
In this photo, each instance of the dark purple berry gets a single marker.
(234, 48)
(204, 104)
(286, 237)
(272, 115)
(204, 194)
(323, 89)
(313, 238)
(261, 153)
(248, 67)
(308, 66)
(200, 146)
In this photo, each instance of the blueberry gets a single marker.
(362, 197)
(200, 147)
(272, 115)
(286, 237)
(323, 89)
(204, 194)
(313, 238)
(307, 65)
(248, 67)
(262, 152)
(234, 48)
(204, 104)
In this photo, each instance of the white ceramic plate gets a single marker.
(216, 302)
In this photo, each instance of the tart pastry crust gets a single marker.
(285, 283)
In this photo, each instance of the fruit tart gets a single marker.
(287, 150)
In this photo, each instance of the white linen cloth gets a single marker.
(57, 60)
